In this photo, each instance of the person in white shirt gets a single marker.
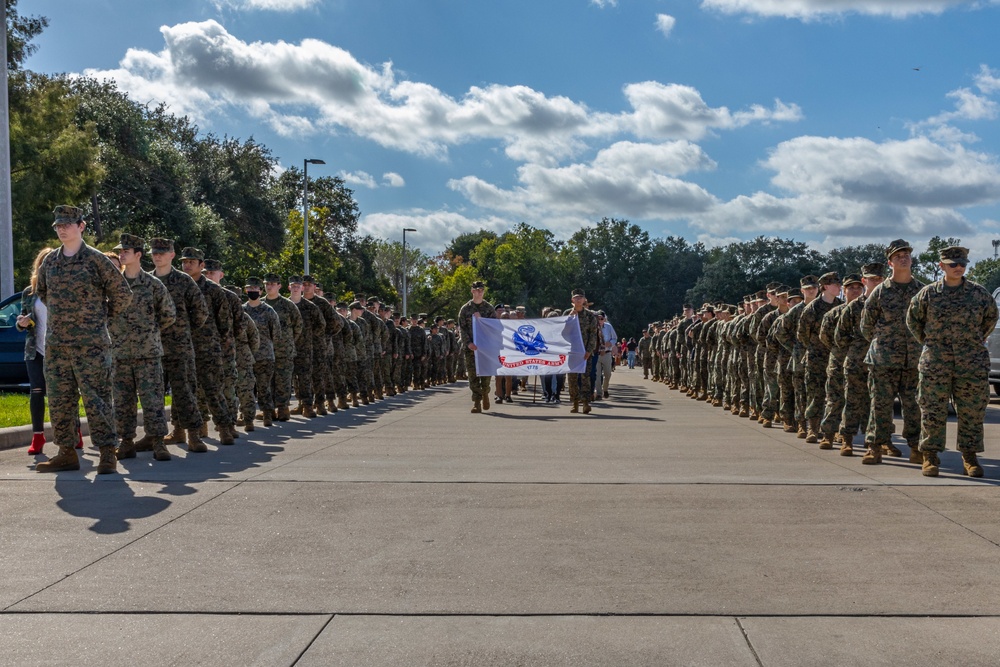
(605, 360)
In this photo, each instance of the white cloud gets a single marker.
(604, 3)
(271, 5)
(987, 82)
(626, 179)
(665, 24)
(393, 180)
(816, 9)
(362, 178)
(312, 87)
(435, 229)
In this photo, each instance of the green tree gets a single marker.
(461, 247)
(850, 259)
(986, 272)
(925, 265)
(20, 31)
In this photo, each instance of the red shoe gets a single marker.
(37, 442)
(79, 443)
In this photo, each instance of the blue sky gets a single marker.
(833, 122)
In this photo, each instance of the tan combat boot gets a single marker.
(847, 448)
(144, 444)
(331, 406)
(268, 417)
(308, 411)
(826, 442)
(744, 413)
(66, 459)
(766, 423)
(248, 423)
(107, 463)
(194, 443)
(892, 450)
(227, 435)
(790, 427)
(576, 407)
(342, 403)
(716, 403)
(176, 435)
(354, 399)
(801, 432)
(873, 455)
(486, 401)
(915, 455)
(586, 408)
(203, 431)
(160, 452)
(297, 410)
(283, 413)
(477, 407)
(365, 400)
(931, 464)
(971, 464)
(126, 450)
(812, 434)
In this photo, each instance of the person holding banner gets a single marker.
(579, 383)
(476, 307)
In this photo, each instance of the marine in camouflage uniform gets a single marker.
(361, 352)
(786, 333)
(579, 383)
(453, 350)
(179, 367)
(341, 362)
(284, 346)
(390, 349)
(857, 399)
(475, 307)
(136, 350)
(268, 331)
(247, 344)
(952, 318)
(892, 357)
(349, 337)
(817, 355)
(435, 342)
(81, 290)
(402, 351)
(418, 347)
(230, 378)
(772, 356)
(207, 341)
(836, 396)
(324, 378)
(313, 334)
(374, 338)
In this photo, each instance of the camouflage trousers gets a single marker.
(142, 378)
(743, 379)
(772, 392)
(786, 389)
(245, 381)
(478, 384)
(815, 383)
(263, 372)
(351, 376)
(363, 376)
(181, 377)
(375, 382)
(857, 400)
(210, 388)
(940, 380)
(799, 393)
(230, 378)
(385, 366)
(833, 410)
(579, 384)
(885, 384)
(452, 366)
(405, 372)
(302, 374)
(757, 385)
(322, 378)
(338, 372)
(72, 372)
(284, 370)
(369, 369)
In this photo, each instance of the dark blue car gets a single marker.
(12, 368)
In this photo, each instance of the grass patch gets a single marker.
(14, 409)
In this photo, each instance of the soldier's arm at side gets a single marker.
(166, 311)
(916, 316)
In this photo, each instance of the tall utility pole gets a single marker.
(996, 246)
(6, 217)
(305, 209)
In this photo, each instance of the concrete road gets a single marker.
(656, 531)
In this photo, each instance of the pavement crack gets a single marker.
(746, 638)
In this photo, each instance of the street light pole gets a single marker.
(405, 229)
(305, 208)
(6, 206)
(996, 246)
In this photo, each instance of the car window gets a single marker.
(9, 313)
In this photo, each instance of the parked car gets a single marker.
(993, 342)
(12, 368)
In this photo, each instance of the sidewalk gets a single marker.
(657, 531)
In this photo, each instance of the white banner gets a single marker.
(544, 346)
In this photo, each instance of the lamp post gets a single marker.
(405, 229)
(305, 208)
(996, 246)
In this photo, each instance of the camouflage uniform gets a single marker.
(834, 408)
(284, 347)
(793, 404)
(857, 400)
(81, 293)
(268, 330)
(579, 383)
(373, 369)
(479, 385)
(247, 344)
(435, 341)
(350, 335)
(952, 323)
(323, 378)
(892, 359)
(208, 354)
(418, 347)
(137, 350)
(772, 355)
(313, 335)
(365, 351)
(178, 347)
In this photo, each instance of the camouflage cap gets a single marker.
(852, 279)
(794, 293)
(254, 281)
(761, 295)
(782, 290)
(372, 300)
(898, 245)
(192, 253)
(272, 278)
(478, 284)
(955, 254)
(67, 215)
(294, 279)
(873, 270)
(341, 304)
(733, 309)
(131, 242)
(830, 278)
(159, 245)
(422, 315)
(450, 321)
(809, 281)
(520, 309)
(212, 265)
(356, 305)
(308, 279)
(578, 292)
(772, 286)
